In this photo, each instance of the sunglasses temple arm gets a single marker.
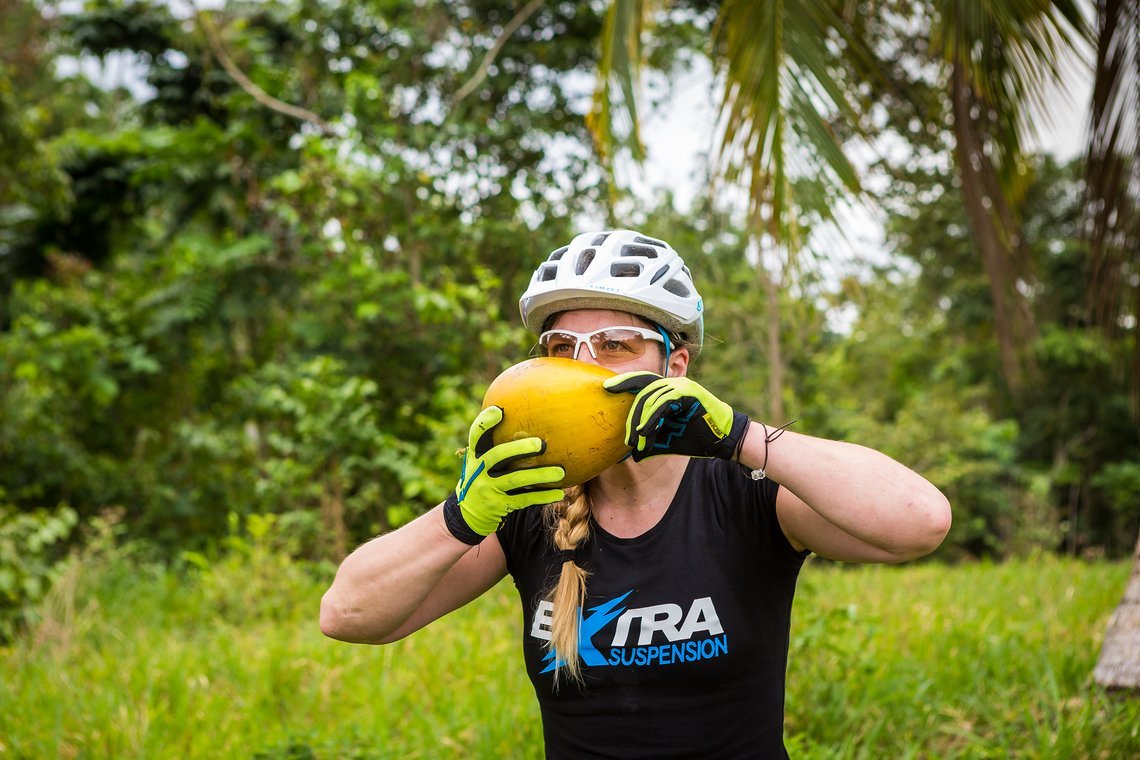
(668, 349)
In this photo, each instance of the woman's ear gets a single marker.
(678, 364)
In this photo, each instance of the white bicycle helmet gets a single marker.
(621, 270)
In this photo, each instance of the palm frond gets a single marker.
(619, 70)
(782, 90)
(1010, 52)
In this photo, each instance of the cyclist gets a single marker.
(657, 596)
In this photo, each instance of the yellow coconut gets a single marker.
(562, 401)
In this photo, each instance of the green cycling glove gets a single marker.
(676, 415)
(488, 490)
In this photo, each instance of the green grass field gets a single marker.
(135, 661)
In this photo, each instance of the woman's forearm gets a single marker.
(860, 491)
(381, 584)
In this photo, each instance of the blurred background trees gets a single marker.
(265, 259)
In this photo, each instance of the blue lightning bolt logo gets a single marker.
(587, 627)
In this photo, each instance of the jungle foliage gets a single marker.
(285, 296)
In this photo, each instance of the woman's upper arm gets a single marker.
(475, 573)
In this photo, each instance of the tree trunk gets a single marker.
(996, 234)
(775, 354)
(1108, 171)
(1119, 664)
(1134, 395)
(1112, 177)
(775, 357)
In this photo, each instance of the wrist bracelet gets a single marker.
(740, 444)
(759, 473)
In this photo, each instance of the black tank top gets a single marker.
(684, 636)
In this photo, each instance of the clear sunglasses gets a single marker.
(612, 345)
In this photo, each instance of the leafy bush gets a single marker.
(1119, 482)
(252, 577)
(31, 554)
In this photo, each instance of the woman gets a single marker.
(657, 597)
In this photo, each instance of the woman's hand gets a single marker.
(676, 415)
(488, 490)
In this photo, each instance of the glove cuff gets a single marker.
(453, 518)
(727, 446)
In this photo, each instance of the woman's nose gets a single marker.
(584, 354)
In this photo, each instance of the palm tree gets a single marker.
(1113, 175)
(781, 65)
(777, 62)
(1113, 203)
(1001, 56)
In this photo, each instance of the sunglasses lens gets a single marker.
(617, 345)
(558, 344)
(610, 345)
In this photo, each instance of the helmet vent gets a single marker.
(649, 241)
(659, 274)
(677, 288)
(584, 259)
(598, 240)
(625, 269)
(638, 250)
(547, 272)
(558, 253)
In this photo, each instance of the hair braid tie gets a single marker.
(569, 555)
(569, 522)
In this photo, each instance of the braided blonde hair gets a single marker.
(569, 524)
